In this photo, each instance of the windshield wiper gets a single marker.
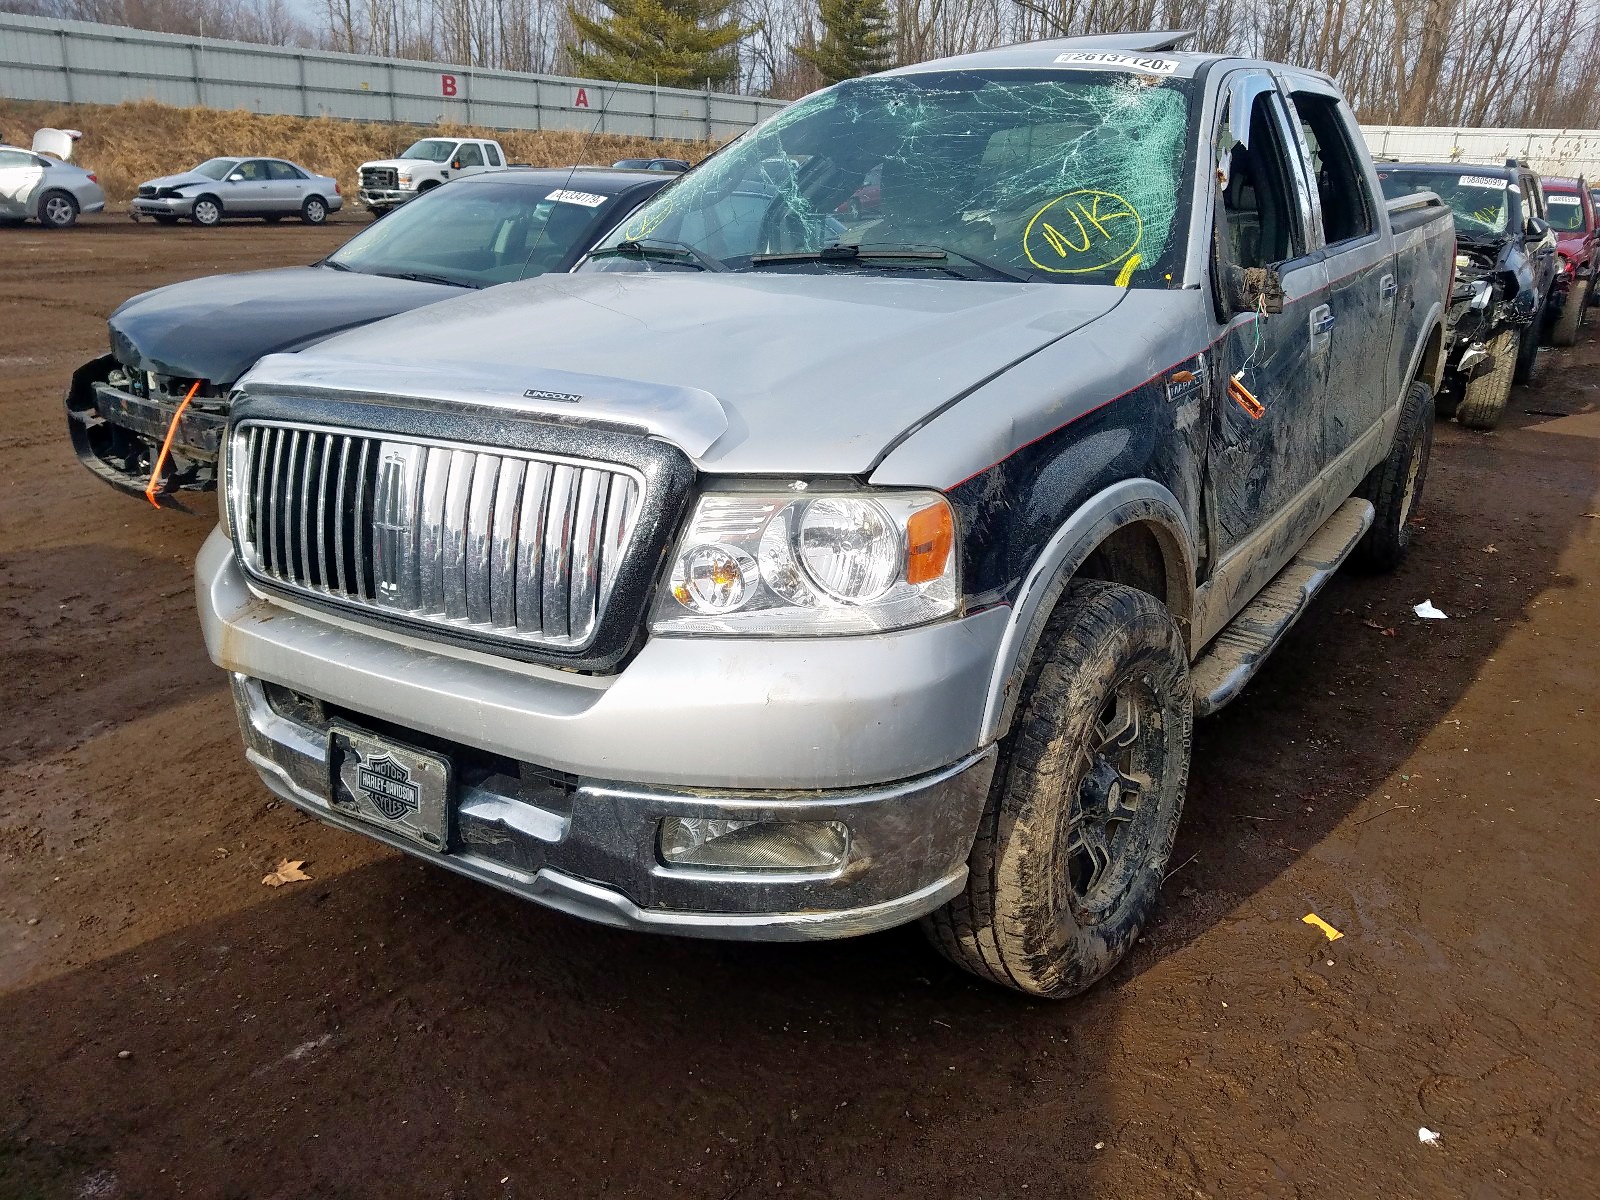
(670, 251)
(424, 277)
(886, 252)
(331, 265)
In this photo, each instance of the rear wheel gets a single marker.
(1566, 330)
(314, 211)
(207, 211)
(1073, 845)
(58, 210)
(1395, 485)
(1486, 395)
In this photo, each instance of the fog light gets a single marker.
(753, 845)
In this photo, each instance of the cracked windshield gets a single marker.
(1481, 203)
(1027, 176)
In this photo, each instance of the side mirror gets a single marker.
(1536, 229)
(1252, 289)
(456, 165)
(236, 178)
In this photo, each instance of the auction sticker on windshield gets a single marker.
(1483, 181)
(587, 199)
(1110, 58)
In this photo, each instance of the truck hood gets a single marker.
(215, 328)
(794, 374)
(399, 164)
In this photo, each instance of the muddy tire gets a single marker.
(1485, 398)
(1565, 332)
(1395, 485)
(207, 211)
(1528, 350)
(1074, 843)
(58, 210)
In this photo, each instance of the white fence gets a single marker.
(1548, 151)
(76, 62)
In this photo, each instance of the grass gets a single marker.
(126, 144)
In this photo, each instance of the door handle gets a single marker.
(1322, 323)
(1387, 287)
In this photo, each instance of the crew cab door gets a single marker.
(1259, 461)
(470, 156)
(1361, 378)
(20, 174)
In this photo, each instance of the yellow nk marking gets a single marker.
(1062, 244)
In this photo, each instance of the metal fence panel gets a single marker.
(77, 62)
(1548, 151)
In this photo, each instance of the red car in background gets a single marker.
(1571, 206)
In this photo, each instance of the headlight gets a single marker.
(833, 563)
(403, 178)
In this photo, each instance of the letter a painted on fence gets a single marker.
(447, 85)
(583, 99)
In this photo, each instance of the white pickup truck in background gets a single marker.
(390, 182)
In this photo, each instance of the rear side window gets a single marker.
(16, 158)
(493, 155)
(1347, 207)
(282, 170)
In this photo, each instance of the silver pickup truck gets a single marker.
(855, 537)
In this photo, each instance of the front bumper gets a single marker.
(879, 733)
(175, 206)
(111, 430)
(385, 197)
(589, 849)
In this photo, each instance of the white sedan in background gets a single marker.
(39, 184)
(222, 188)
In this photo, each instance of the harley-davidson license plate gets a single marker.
(394, 786)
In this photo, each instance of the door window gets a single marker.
(15, 158)
(1259, 212)
(283, 171)
(1348, 211)
(254, 171)
(470, 155)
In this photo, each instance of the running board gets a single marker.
(1236, 654)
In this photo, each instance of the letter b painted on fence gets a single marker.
(447, 85)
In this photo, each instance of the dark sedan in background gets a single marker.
(176, 351)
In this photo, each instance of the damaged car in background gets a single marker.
(176, 351)
(42, 184)
(224, 188)
(1505, 274)
(1572, 217)
(788, 575)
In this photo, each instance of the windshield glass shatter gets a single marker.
(1481, 203)
(1045, 176)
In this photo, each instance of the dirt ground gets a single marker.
(171, 1027)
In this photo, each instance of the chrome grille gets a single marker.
(379, 177)
(497, 543)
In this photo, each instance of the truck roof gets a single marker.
(1110, 52)
(1500, 171)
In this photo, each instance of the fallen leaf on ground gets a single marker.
(1490, 549)
(287, 872)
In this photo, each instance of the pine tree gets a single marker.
(856, 40)
(676, 43)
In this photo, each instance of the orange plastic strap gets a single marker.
(166, 447)
(1243, 397)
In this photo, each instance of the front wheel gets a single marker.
(1566, 330)
(314, 211)
(1073, 845)
(58, 210)
(1528, 350)
(1485, 398)
(207, 211)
